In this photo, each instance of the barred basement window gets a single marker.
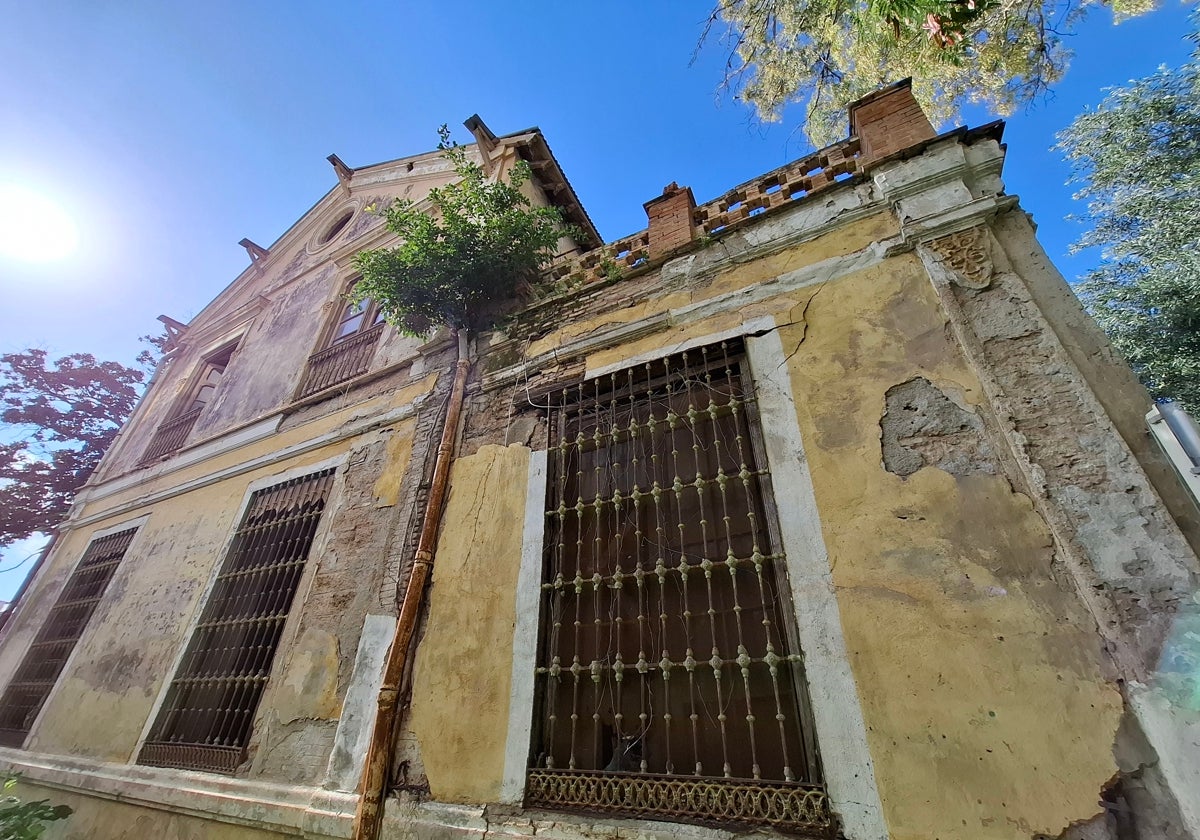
(42, 665)
(670, 683)
(206, 718)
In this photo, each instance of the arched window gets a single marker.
(348, 347)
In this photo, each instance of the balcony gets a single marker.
(171, 435)
(342, 361)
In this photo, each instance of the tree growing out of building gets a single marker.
(467, 248)
(829, 53)
(57, 418)
(1137, 159)
(465, 252)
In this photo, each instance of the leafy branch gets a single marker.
(466, 250)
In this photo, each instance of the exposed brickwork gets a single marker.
(672, 219)
(889, 121)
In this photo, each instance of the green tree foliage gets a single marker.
(465, 250)
(999, 53)
(26, 820)
(1137, 157)
(56, 421)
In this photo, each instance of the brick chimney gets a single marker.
(671, 217)
(888, 121)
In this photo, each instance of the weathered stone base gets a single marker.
(411, 820)
(123, 802)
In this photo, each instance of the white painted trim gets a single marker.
(837, 713)
(1174, 732)
(759, 324)
(116, 529)
(292, 810)
(218, 562)
(357, 717)
(210, 449)
(288, 453)
(841, 731)
(122, 568)
(525, 634)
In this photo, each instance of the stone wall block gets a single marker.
(1131, 563)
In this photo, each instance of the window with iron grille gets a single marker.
(173, 433)
(43, 664)
(669, 680)
(206, 717)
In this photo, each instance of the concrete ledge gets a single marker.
(294, 810)
(412, 820)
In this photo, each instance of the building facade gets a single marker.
(820, 509)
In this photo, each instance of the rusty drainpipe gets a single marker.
(372, 787)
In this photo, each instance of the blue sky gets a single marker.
(169, 131)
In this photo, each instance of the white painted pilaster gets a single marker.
(525, 634)
(837, 715)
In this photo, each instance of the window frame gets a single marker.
(197, 383)
(182, 415)
(371, 318)
(329, 469)
(340, 358)
(133, 528)
(811, 793)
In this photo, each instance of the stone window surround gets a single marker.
(291, 626)
(52, 597)
(840, 729)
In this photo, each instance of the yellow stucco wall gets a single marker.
(462, 679)
(95, 818)
(133, 636)
(978, 673)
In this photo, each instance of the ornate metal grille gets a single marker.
(171, 435)
(206, 718)
(344, 360)
(42, 665)
(667, 654)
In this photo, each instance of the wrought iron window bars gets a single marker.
(68, 618)
(206, 719)
(669, 680)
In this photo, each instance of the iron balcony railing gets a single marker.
(342, 361)
(171, 435)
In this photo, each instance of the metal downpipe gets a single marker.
(373, 784)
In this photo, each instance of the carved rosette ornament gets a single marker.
(967, 256)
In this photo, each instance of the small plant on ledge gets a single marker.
(26, 820)
(465, 251)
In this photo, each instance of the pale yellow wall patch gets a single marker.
(309, 688)
(952, 615)
(399, 453)
(462, 678)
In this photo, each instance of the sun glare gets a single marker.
(33, 228)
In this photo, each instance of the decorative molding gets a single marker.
(967, 255)
(351, 429)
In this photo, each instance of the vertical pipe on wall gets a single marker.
(373, 785)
